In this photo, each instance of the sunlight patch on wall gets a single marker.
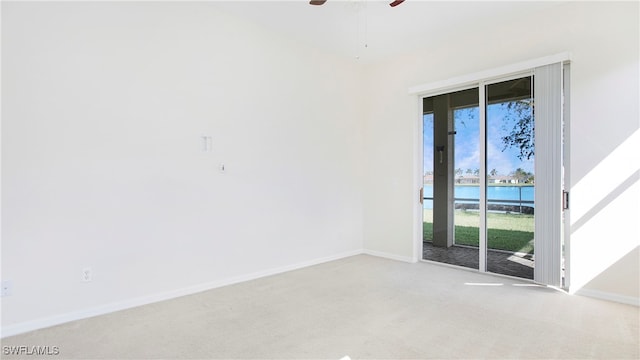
(604, 209)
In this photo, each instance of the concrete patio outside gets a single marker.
(498, 261)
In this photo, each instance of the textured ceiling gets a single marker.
(373, 31)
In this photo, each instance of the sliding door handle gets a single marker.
(565, 200)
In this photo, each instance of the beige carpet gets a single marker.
(361, 307)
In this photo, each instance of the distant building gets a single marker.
(474, 179)
(467, 179)
(503, 179)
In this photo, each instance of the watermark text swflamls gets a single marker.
(31, 350)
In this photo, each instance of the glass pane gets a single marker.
(427, 145)
(467, 181)
(510, 178)
(450, 211)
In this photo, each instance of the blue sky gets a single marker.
(467, 139)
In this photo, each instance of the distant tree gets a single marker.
(458, 171)
(522, 176)
(493, 172)
(469, 171)
(476, 172)
(521, 132)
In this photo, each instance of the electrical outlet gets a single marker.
(87, 274)
(7, 288)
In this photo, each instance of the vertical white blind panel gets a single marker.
(548, 174)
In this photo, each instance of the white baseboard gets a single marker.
(389, 256)
(42, 323)
(629, 300)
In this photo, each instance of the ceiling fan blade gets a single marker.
(321, 2)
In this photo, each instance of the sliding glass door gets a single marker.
(510, 155)
(480, 178)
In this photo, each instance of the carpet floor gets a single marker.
(361, 307)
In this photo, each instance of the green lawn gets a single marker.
(511, 232)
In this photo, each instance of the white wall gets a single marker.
(604, 44)
(103, 108)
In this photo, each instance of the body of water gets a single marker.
(494, 194)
